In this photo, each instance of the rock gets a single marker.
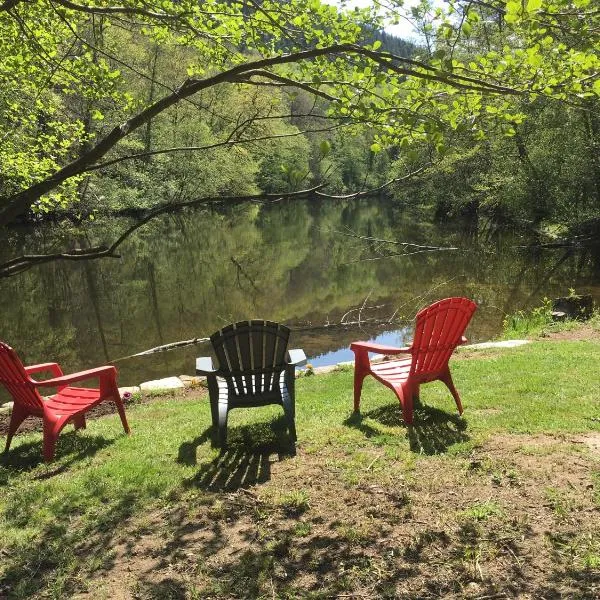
(325, 369)
(132, 389)
(504, 344)
(558, 315)
(168, 383)
(574, 307)
(4, 408)
(192, 380)
(346, 363)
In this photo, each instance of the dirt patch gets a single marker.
(582, 332)
(517, 517)
(105, 408)
(592, 441)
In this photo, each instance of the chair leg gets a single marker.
(17, 416)
(214, 412)
(121, 410)
(51, 432)
(50, 437)
(447, 379)
(222, 425)
(416, 396)
(289, 411)
(405, 395)
(359, 377)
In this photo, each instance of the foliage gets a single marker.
(538, 322)
(85, 86)
(528, 323)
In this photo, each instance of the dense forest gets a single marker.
(145, 107)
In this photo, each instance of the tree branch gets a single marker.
(21, 202)
(286, 81)
(226, 143)
(372, 191)
(27, 261)
(112, 10)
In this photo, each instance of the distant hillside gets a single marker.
(395, 45)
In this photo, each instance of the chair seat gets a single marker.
(395, 372)
(72, 400)
(250, 400)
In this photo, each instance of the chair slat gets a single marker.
(245, 356)
(16, 380)
(270, 341)
(258, 354)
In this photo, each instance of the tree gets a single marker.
(72, 97)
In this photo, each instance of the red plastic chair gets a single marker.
(68, 405)
(438, 331)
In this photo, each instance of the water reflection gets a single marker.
(186, 275)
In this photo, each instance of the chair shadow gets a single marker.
(245, 462)
(433, 431)
(28, 456)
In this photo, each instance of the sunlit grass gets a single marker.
(58, 520)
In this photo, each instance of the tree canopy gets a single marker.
(78, 86)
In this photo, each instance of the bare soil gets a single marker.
(516, 518)
(582, 332)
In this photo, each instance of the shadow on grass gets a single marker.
(37, 565)
(167, 589)
(245, 462)
(433, 430)
(70, 449)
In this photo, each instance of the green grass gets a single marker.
(57, 521)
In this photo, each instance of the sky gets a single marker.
(404, 29)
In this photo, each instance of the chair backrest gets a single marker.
(251, 355)
(438, 331)
(16, 381)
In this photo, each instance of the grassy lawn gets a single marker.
(503, 502)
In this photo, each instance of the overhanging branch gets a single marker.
(21, 202)
(27, 261)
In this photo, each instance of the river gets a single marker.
(309, 264)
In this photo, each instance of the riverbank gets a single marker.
(501, 503)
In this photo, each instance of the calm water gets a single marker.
(302, 263)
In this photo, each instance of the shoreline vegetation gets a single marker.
(502, 502)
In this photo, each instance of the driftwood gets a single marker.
(164, 348)
(308, 327)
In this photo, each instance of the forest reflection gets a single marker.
(302, 263)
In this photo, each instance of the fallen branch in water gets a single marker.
(164, 348)
(194, 341)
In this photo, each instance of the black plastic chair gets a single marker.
(255, 369)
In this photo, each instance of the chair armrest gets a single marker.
(53, 367)
(204, 366)
(379, 348)
(107, 372)
(296, 357)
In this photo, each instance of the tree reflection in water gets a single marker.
(184, 276)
